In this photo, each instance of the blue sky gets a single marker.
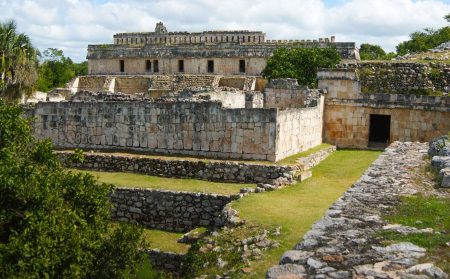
(73, 24)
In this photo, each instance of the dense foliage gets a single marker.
(300, 63)
(55, 223)
(18, 62)
(424, 40)
(55, 70)
(374, 52)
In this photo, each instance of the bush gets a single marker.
(300, 63)
(424, 40)
(55, 223)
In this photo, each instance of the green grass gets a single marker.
(297, 207)
(286, 161)
(292, 160)
(424, 212)
(165, 241)
(122, 179)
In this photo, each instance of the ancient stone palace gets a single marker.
(208, 52)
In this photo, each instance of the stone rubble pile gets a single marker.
(441, 47)
(343, 243)
(440, 150)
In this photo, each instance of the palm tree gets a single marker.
(18, 62)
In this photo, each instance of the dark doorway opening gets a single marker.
(242, 66)
(155, 66)
(210, 66)
(180, 66)
(148, 66)
(122, 66)
(379, 131)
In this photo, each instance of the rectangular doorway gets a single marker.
(210, 66)
(122, 66)
(241, 66)
(379, 130)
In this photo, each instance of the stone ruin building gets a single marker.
(208, 52)
(231, 112)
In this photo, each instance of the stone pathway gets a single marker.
(342, 243)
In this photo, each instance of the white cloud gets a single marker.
(73, 24)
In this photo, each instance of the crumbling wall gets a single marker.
(169, 210)
(198, 169)
(404, 77)
(92, 83)
(131, 85)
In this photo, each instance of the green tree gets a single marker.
(424, 40)
(447, 17)
(18, 62)
(371, 52)
(55, 223)
(56, 70)
(300, 63)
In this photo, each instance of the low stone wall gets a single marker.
(344, 244)
(167, 261)
(205, 170)
(169, 210)
(306, 163)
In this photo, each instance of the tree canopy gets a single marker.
(55, 223)
(55, 70)
(424, 40)
(18, 62)
(300, 63)
(374, 52)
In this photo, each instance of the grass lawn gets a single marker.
(297, 207)
(123, 179)
(424, 212)
(286, 161)
(164, 241)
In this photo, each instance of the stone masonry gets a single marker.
(202, 122)
(169, 210)
(347, 112)
(209, 52)
(342, 244)
(197, 169)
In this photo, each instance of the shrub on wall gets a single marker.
(300, 63)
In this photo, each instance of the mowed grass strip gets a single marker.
(123, 179)
(297, 207)
(164, 241)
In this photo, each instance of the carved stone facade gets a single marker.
(209, 52)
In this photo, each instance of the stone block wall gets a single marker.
(194, 128)
(198, 169)
(347, 111)
(169, 210)
(299, 129)
(168, 65)
(284, 93)
(131, 85)
(91, 83)
(403, 77)
(254, 99)
(347, 123)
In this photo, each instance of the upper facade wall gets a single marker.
(189, 38)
